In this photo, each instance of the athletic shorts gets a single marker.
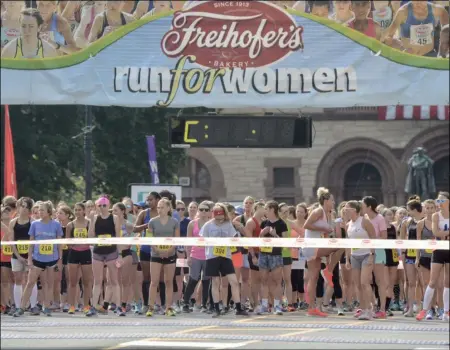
(439, 257)
(197, 270)
(126, 252)
(287, 261)
(219, 266)
(358, 261)
(309, 253)
(106, 257)
(298, 280)
(6, 264)
(44, 265)
(425, 262)
(143, 256)
(18, 266)
(250, 262)
(80, 257)
(164, 261)
(380, 256)
(391, 257)
(270, 262)
(178, 271)
(65, 255)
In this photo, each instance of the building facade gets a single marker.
(353, 154)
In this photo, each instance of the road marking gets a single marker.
(178, 344)
(304, 331)
(249, 319)
(198, 329)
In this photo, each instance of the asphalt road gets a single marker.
(200, 331)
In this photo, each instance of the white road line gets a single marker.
(197, 345)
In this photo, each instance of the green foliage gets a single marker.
(50, 162)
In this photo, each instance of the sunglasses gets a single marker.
(219, 212)
(440, 201)
(102, 205)
(181, 209)
(206, 210)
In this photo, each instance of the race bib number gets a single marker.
(23, 248)
(421, 34)
(411, 252)
(266, 249)
(80, 233)
(220, 251)
(429, 251)
(7, 250)
(394, 255)
(148, 233)
(164, 248)
(103, 244)
(46, 249)
(233, 250)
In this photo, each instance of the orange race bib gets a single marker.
(7, 250)
(104, 236)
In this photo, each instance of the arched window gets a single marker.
(441, 174)
(200, 181)
(362, 179)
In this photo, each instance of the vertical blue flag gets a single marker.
(151, 148)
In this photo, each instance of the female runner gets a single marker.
(343, 13)
(79, 261)
(126, 269)
(440, 259)
(298, 275)
(43, 258)
(29, 44)
(192, 210)
(10, 21)
(105, 225)
(5, 263)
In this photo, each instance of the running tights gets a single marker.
(190, 288)
(337, 283)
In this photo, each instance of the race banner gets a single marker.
(219, 54)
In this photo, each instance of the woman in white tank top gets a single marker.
(362, 259)
(317, 226)
(440, 258)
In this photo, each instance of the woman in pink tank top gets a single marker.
(362, 23)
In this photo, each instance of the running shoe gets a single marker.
(430, 314)
(138, 308)
(340, 312)
(66, 307)
(86, 309)
(226, 310)
(35, 311)
(129, 307)
(409, 313)
(381, 315)
(203, 309)
(122, 311)
(149, 312)
(358, 313)
(395, 307)
(365, 315)
(327, 276)
(12, 311)
(446, 317)
(170, 312)
(241, 313)
(144, 309)
(290, 308)
(421, 315)
(303, 306)
(47, 311)
(316, 312)
(216, 314)
(71, 310)
(91, 312)
(389, 313)
(176, 308)
(277, 310)
(415, 307)
(440, 314)
(262, 310)
(112, 307)
(19, 312)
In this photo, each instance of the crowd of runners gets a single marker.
(146, 280)
(40, 29)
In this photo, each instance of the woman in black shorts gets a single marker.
(391, 258)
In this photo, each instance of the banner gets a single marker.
(220, 54)
(151, 149)
(9, 178)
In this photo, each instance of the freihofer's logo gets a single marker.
(227, 47)
(233, 36)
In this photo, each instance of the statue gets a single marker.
(420, 179)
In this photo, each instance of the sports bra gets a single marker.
(19, 51)
(106, 24)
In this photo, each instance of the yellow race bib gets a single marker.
(394, 255)
(7, 250)
(46, 249)
(429, 251)
(411, 253)
(354, 249)
(80, 233)
(233, 250)
(148, 233)
(104, 236)
(220, 251)
(266, 249)
(164, 247)
(23, 248)
(65, 247)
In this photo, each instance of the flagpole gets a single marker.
(88, 152)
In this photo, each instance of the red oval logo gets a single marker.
(243, 34)
(234, 239)
(432, 242)
(399, 242)
(12, 32)
(267, 239)
(168, 239)
(366, 241)
(200, 239)
(332, 241)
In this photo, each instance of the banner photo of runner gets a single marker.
(279, 54)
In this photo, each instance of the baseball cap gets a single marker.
(141, 204)
(239, 210)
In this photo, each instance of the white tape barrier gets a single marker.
(249, 242)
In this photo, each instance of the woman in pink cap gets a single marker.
(104, 225)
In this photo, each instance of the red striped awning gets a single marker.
(413, 113)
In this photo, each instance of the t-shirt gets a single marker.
(41, 231)
(379, 224)
(280, 227)
(211, 229)
(162, 230)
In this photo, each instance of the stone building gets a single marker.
(353, 154)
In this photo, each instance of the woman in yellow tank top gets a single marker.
(28, 44)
